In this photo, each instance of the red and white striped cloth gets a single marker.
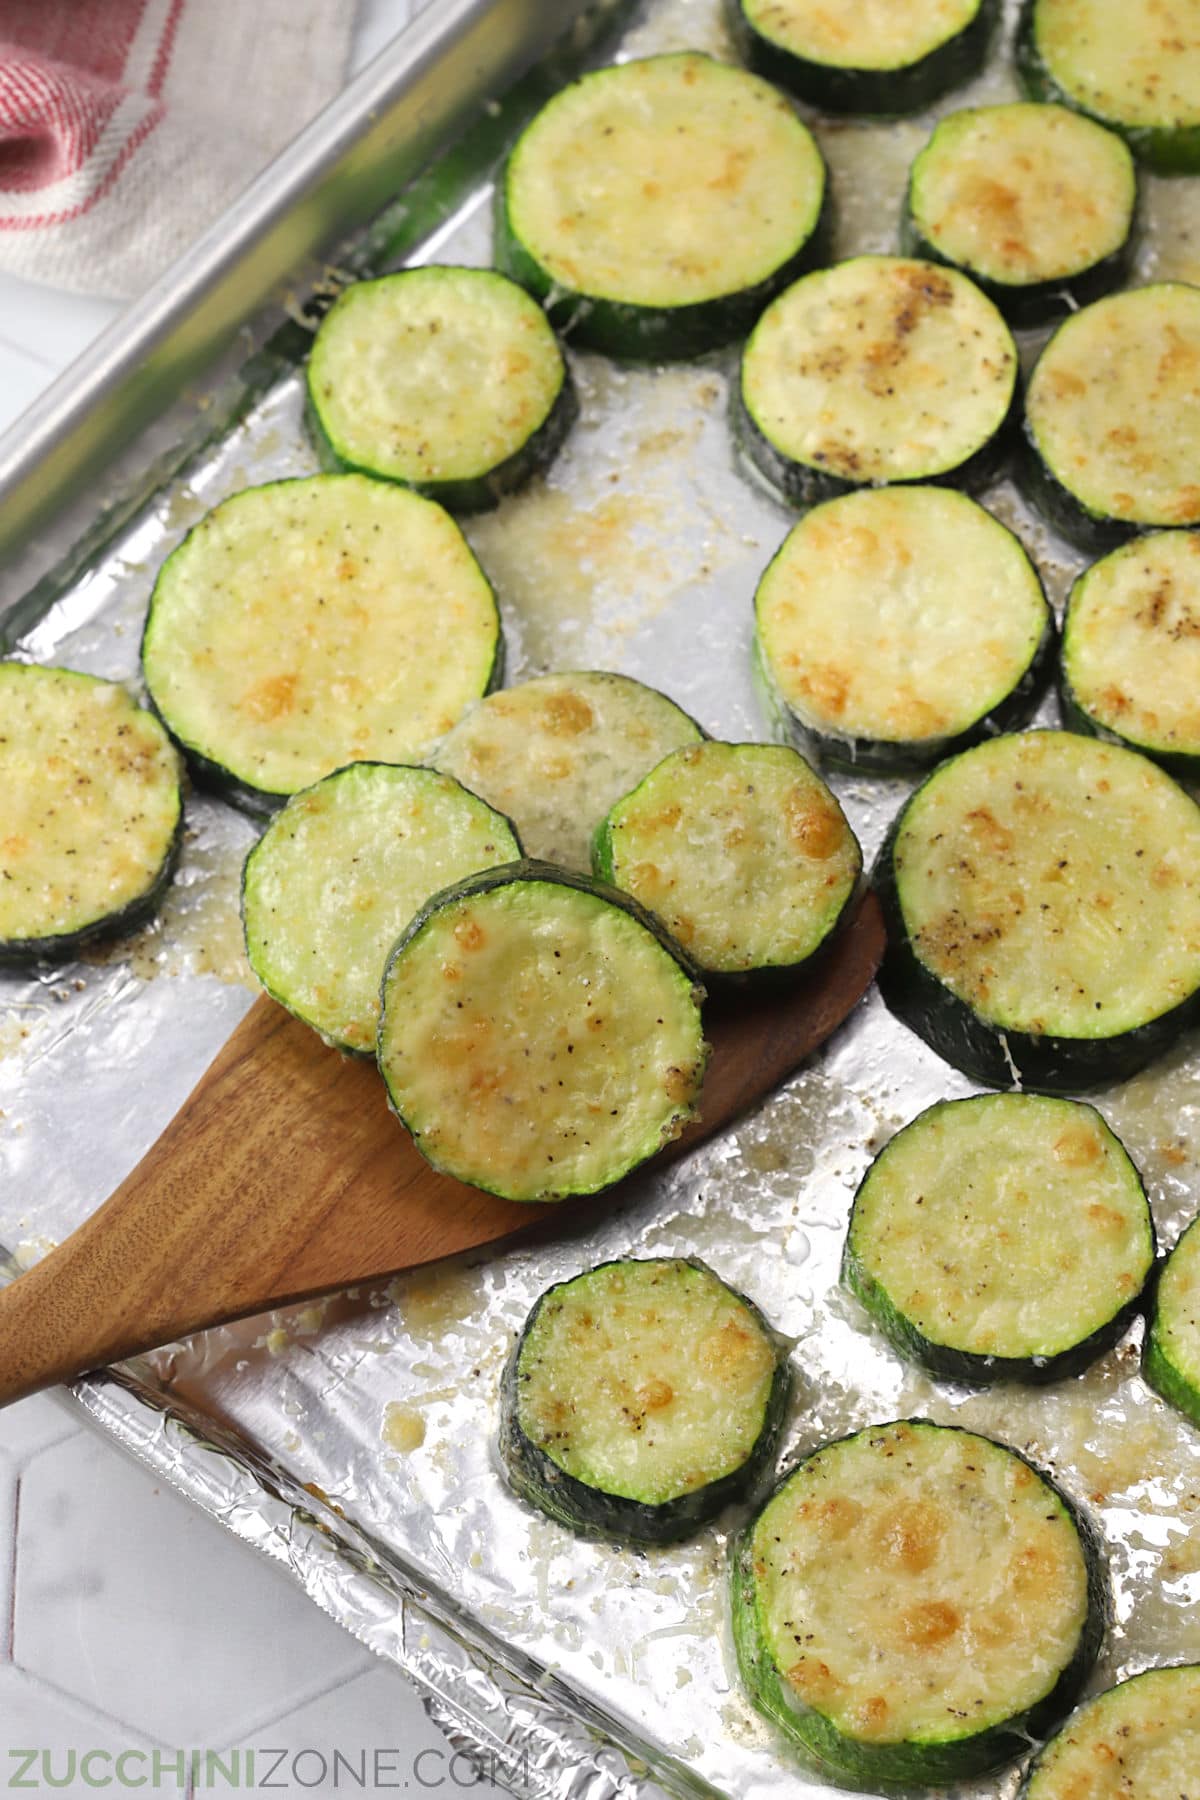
(127, 125)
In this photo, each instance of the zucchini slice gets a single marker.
(540, 1034)
(1135, 68)
(641, 1398)
(658, 205)
(740, 850)
(448, 380)
(91, 811)
(1002, 1238)
(899, 624)
(338, 874)
(913, 1603)
(1171, 1356)
(1139, 1740)
(879, 369)
(1035, 203)
(308, 624)
(1042, 895)
(1112, 418)
(1131, 649)
(553, 754)
(848, 56)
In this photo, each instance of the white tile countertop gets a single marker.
(130, 1624)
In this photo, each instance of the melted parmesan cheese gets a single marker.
(554, 754)
(645, 1379)
(1053, 884)
(740, 850)
(665, 182)
(860, 34)
(538, 1040)
(313, 623)
(1138, 1741)
(1023, 193)
(341, 871)
(1131, 647)
(1114, 405)
(899, 615)
(918, 1583)
(435, 374)
(1007, 1225)
(89, 801)
(880, 369)
(1136, 64)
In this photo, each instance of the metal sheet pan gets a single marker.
(352, 1440)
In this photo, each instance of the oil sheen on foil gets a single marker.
(639, 551)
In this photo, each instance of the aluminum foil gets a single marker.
(353, 1440)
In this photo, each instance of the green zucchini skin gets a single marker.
(707, 770)
(803, 486)
(1000, 1058)
(631, 333)
(482, 493)
(1089, 531)
(1167, 150)
(478, 493)
(1044, 1064)
(806, 483)
(505, 875)
(1087, 1742)
(648, 332)
(589, 1511)
(882, 92)
(1160, 585)
(1162, 1370)
(61, 946)
(206, 770)
(858, 1763)
(1028, 304)
(879, 756)
(953, 1363)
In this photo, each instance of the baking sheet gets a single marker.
(354, 1438)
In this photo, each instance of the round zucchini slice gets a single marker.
(448, 380)
(338, 874)
(554, 753)
(1131, 649)
(740, 850)
(658, 205)
(1135, 68)
(1112, 418)
(1139, 1740)
(1171, 1356)
(1042, 895)
(913, 1603)
(308, 624)
(899, 624)
(1002, 1238)
(849, 57)
(1035, 203)
(90, 815)
(641, 1398)
(540, 1034)
(879, 369)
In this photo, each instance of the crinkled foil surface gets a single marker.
(354, 1439)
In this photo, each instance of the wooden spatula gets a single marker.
(284, 1176)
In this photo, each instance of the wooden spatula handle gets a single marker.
(284, 1176)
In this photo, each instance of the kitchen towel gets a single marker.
(127, 125)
